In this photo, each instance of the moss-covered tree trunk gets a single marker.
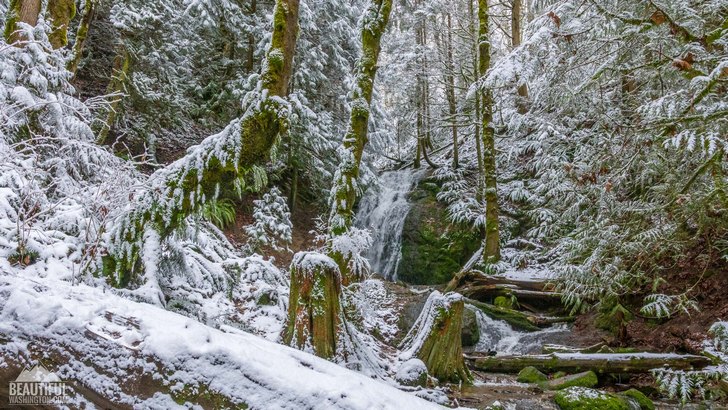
(435, 338)
(20, 11)
(344, 191)
(313, 308)
(221, 161)
(491, 245)
(450, 91)
(61, 12)
(116, 88)
(522, 100)
(89, 11)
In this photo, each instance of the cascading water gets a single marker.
(383, 210)
(498, 336)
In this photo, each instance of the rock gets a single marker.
(644, 401)
(583, 398)
(531, 375)
(584, 379)
(558, 375)
(471, 331)
(496, 405)
(412, 373)
(433, 248)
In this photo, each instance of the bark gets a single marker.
(450, 91)
(20, 11)
(61, 13)
(261, 126)
(436, 338)
(314, 312)
(600, 363)
(81, 35)
(344, 191)
(491, 245)
(116, 87)
(516, 35)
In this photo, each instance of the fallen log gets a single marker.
(478, 278)
(602, 363)
(489, 292)
(517, 319)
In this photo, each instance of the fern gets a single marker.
(220, 212)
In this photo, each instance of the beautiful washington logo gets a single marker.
(38, 386)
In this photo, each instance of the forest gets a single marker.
(364, 204)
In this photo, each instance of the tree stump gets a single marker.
(435, 338)
(314, 305)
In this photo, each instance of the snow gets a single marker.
(243, 367)
(411, 370)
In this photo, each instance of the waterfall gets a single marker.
(383, 210)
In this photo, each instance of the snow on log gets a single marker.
(435, 338)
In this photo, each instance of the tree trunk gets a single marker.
(81, 35)
(435, 338)
(313, 309)
(186, 186)
(344, 190)
(20, 11)
(478, 149)
(450, 85)
(116, 87)
(491, 245)
(61, 13)
(516, 35)
(601, 363)
(251, 39)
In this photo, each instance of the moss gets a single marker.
(433, 249)
(585, 379)
(515, 318)
(531, 374)
(581, 398)
(504, 302)
(644, 401)
(61, 13)
(204, 397)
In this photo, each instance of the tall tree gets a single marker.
(344, 190)
(516, 36)
(89, 12)
(450, 90)
(221, 162)
(491, 245)
(20, 11)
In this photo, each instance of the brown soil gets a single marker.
(683, 332)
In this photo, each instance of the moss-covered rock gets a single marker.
(471, 331)
(583, 398)
(584, 379)
(433, 249)
(412, 373)
(504, 302)
(644, 401)
(531, 374)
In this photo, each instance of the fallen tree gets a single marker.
(602, 363)
(517, 319)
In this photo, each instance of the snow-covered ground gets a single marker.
(109, 340)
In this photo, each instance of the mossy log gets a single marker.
(314, 308)
(519, 320)
(477, 278)
(532, 297)
(600, 363)
(435, 338)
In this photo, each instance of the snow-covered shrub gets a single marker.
(271, 225)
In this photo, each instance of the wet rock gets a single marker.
(583, 398)
(412, 373)
(471, 332)
(584, 379)
(644, 402)
(531, 375)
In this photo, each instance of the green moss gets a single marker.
(61, 13)
(205, 397)
(515, 318)
(644, 401)
(582, 398)
(531, 374)
(433, 249)
(585, 379)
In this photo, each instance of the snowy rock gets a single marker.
(583, 398)
(413, 372)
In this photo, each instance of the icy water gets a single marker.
(383, 210)
(499, 336)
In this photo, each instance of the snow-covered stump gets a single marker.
(314, 305)
(435, 338)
